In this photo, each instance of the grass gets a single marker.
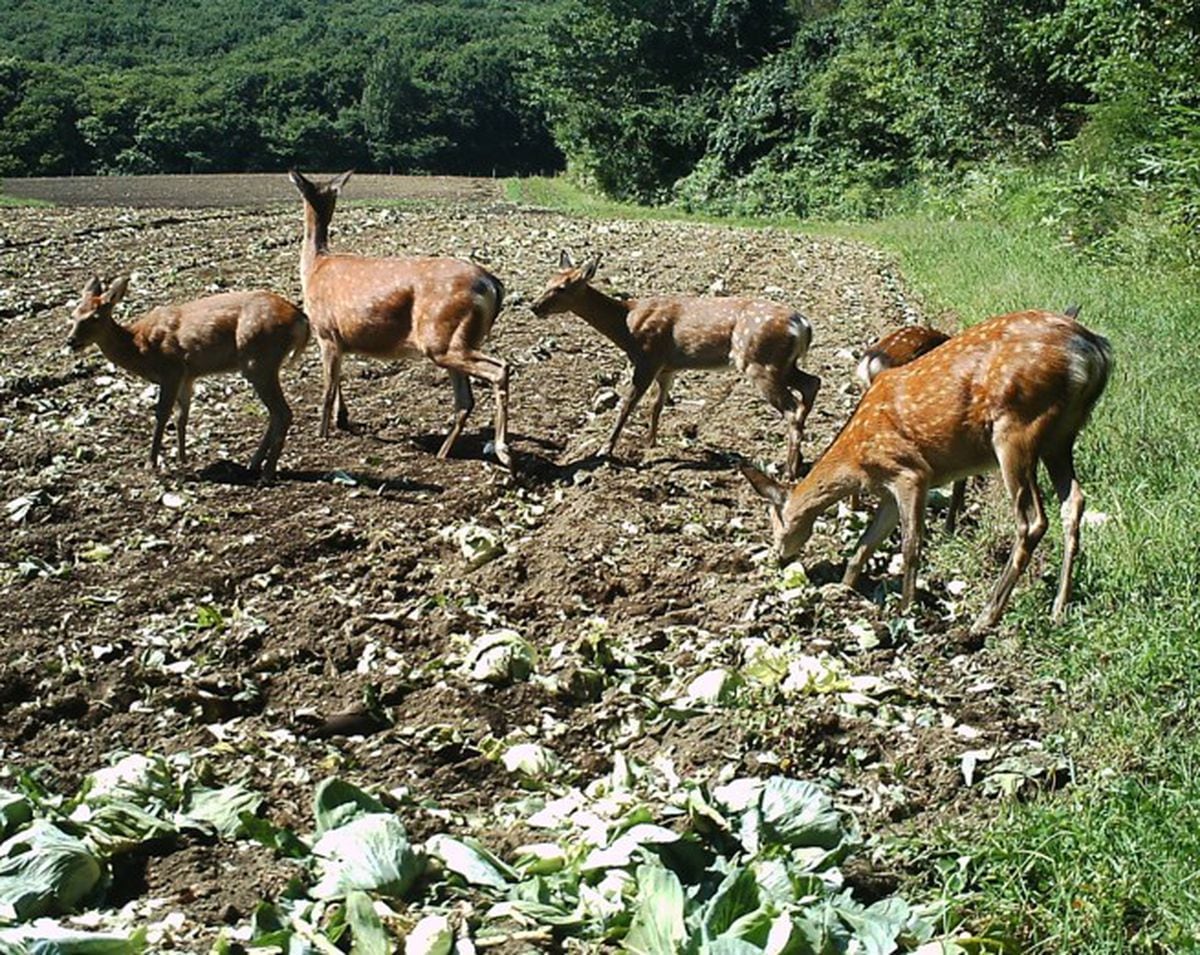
(13, 202)
(1108, 864)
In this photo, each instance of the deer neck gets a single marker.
(316, 243)
(119, 344)
(830, 480)
(608, 315)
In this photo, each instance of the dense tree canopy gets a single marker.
(125, 86)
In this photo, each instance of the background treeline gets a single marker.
(1085, 111)
(134, 86)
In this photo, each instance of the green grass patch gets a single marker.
(16, 202)
(1107, 864)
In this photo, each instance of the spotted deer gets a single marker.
(664, 335)
(172, 345)
(440, 308)
(1004, 394)
(899, 347)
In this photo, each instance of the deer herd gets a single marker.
(1002, 395)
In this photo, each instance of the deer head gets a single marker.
(562, 288)
(94, 311)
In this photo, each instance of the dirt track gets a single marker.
(165, 611)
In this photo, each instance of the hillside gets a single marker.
(131, 87)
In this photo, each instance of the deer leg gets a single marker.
(958, 496)
(774, 388)
(266, 386)
(660, 398)
(184, 400)
(331, 367)
(808, 386)
(464, 403)
(168, 390)
(882, 522)
(495, 372)
(911, 502)
(643, 377)
(1070, 496)
(1017, 469)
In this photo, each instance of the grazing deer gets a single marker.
(662, 336)
(441, 308)
(250, 332)
(1010, 391)
(899, 348)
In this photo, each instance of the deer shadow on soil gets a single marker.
(238, 475)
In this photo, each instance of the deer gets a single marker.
(173, 345)
(1004, 394)
(664, 335)
(438, 307)
(899, 347)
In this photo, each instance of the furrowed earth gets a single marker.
(190, 609)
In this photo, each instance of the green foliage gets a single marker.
(238, 85)
(1105, 865)
(631, 86)
(865, 107)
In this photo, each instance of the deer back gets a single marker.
(896, 348)
(394, 306)
(705, 332)
(1028, 376)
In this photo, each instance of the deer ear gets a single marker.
(564, 260)
(92, 287)
(768, 488)
(337, 182)
(299, 181)
(589, 268)
(116, 291)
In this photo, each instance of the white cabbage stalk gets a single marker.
(500, 657)
(432, 935)
(713, 687)
(530, 759)
(540, 858)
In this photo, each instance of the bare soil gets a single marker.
(191, 608)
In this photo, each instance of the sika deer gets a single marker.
(250, 332)
(1010, 391)
(899, 348)
(441, 308)
(664, 335)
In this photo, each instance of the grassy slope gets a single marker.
(1109, 863)
(1111, 860)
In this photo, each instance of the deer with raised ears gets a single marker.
(1004, 394)
(250, 332)
(441, 308)
(664, 335)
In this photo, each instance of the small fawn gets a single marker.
(250, 332)
(442, 308)
(1006, 393)
(899, 347)
(663, 335)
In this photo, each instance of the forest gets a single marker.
(1082, 112)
